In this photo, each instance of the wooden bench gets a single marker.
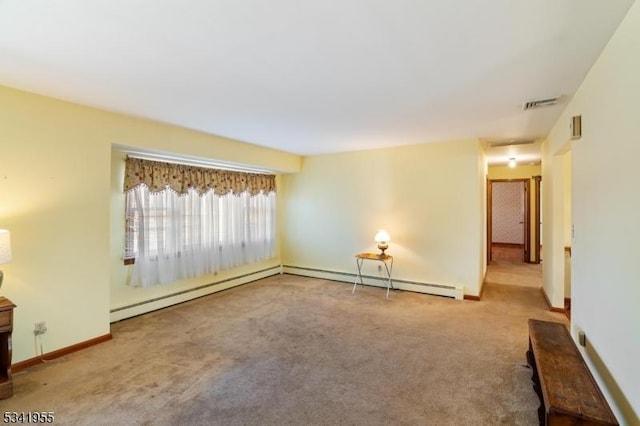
(568, 393)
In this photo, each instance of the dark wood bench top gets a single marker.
(568, 388)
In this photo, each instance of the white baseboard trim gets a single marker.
(415, 286)
(165, 301)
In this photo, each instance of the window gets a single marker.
(173, 236)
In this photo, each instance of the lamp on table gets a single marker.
(382, 238)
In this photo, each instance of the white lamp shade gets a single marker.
(5, 246)
(382, 236)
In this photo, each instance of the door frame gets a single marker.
(537, 224)
(527, 217)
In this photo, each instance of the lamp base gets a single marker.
(383, 247)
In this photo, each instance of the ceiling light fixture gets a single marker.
(512, 162)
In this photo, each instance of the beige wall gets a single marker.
(605, 206)
(428, 197)
(568, 221)
(553, 202)
(483, 174)
(522, 172)
(59, 203)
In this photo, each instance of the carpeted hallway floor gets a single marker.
(290, 350)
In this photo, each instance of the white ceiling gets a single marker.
(313, 77)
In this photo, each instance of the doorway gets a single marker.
(508, 220)
(537, 223)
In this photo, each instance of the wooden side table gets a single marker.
(386, 259)
(6, 327)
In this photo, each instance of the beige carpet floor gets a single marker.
(289, 350)
(518, 273)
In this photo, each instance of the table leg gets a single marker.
(359, 263)
(389, 283)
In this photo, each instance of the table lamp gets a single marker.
(5, 249)
(382, 238)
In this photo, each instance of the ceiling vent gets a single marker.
(539, 103)
(510, 143)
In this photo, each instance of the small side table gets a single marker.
(386, 260)
(6, 327)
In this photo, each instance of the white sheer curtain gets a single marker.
(173, 237)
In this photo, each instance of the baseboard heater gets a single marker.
(415, 286)
(167, 300)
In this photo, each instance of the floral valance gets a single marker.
(180, 177)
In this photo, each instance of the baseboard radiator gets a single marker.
(454, 292)
(164, 301)
(145, 306)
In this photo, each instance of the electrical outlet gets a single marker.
(40, 328)
(582, 338)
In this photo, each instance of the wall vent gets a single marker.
(539, 103)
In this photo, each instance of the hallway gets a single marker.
(512, 273)
(513, 253)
